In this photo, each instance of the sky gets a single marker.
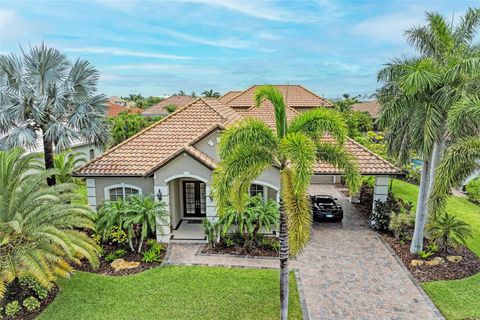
(161, 47)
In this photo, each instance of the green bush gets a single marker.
(425, 254)
(275, 245)
(229, 242)
(117, 254)
(212, 231)
(473, 190)
(33, 284)
(448, 231)
(383, 211)
(413, 174)
(116, 235)
(31, 303)
(400, 222)
(153, 254)
(12, 308)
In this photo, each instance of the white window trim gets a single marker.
(106, 190)
(264, 190)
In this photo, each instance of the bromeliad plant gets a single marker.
(136, 216)
(40, 226)
(250, 146)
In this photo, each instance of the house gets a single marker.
(114, 110)
(372, 107)
(159, 109)
(174, 159)
(229, 96)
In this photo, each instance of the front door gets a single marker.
(194, 199)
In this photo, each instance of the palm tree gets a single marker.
(250, 146)
(39, 224)
(418, 94)
(211, 94)
(44, 95)
(65, 162)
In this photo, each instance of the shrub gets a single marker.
(171, 108)
(117, 254)
(400, 222)
(473, 190)
(413, 174)
(425, 254)
(31, 303)
(31, 283)
(448, 231)
(275, 245)
(12, 308)
(229, 242)
(212, 231)
(116, 235)
(153, 254)
(382, 212)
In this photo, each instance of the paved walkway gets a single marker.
(346, 272)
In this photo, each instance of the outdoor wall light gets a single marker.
(159, 195)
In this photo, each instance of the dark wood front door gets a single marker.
(194, 198)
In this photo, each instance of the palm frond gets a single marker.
(464, 118)
(272, 94)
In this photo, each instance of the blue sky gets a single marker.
(160, 47)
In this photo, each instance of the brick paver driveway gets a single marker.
(348, 273)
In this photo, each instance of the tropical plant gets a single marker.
(212, 231)
(448, 231)
(119, 253)
(110, 220)
(43, 95)
(126, 125)
(12, 308)
(419, 93)
(39, 225)
(400, 222)
(250, 146)
(154, 252)
(473, 190)
(211, 94)
(171, 108)
(31, 303)
(345, 103)
(358, 122)
(65, 162)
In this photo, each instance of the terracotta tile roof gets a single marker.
(229, 95)
(152, 147)
(267, 114)
(114, 110)
(293, 95)
(200, 156)
(159, 108)
(372, 107)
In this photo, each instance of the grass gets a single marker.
(461, 207)
(456, 299)
(174, 292)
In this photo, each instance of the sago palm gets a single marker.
(44, 95)
(419, 93)
(250, 146)
(39, 225)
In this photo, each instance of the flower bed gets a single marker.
(266, 247)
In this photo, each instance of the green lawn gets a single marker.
(174, 292)
(461, 207)
(457, 299)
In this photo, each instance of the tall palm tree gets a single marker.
(418, 94)
(250, 146)
(44, 95)
(39, 224)
(211, 94)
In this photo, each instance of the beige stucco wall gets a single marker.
(182, 166)
(321, 179)
(145, 184)
(209, 145)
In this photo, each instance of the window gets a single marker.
(92, 154)
(256, 189)
(120, 192)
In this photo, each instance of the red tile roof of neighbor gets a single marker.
(372, 107)
(229, 95)
(114, 110)
(150, 149)
(159, 108)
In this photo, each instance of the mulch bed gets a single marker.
(23, 293)
(240, 251)
(106, 269)
(468, 266)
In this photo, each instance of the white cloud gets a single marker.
(168, 68)
(128, 53)
(232, 43)
(14, 27)
(389, 27)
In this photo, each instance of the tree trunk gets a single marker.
(48, 156)
(421, 212)
(437, 155)
(140, 245)
(284, 255)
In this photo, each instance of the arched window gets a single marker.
(257, 189)
(122, 191)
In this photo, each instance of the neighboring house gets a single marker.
(114, 110)
(174, 159)
(229, 96)
(117, 101)
(159, 109)
(372, 107)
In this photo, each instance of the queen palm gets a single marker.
(250, 146)
(45, 96)
(39, 224)
(419, 93)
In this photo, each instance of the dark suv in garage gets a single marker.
(325, 208)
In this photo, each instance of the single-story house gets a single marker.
(174, 159)
(114, 110)
(372, 107)
(159, 109)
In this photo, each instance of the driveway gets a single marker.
(348, 273)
